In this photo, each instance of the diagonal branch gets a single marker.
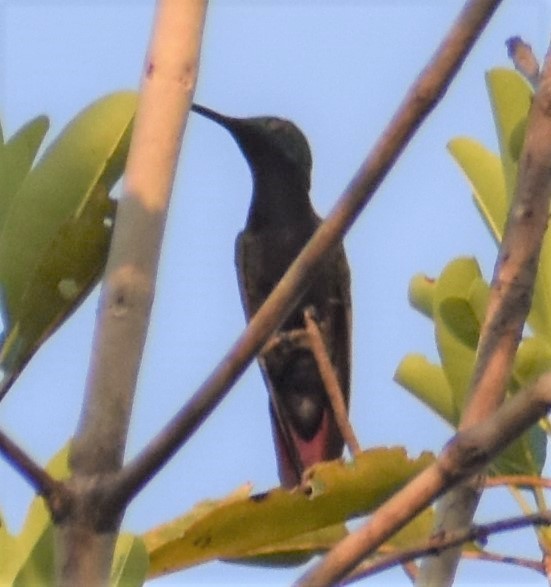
(52, 490)
(420, 101)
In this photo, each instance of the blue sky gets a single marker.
(339, 70)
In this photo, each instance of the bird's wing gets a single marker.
(251, 299)
(342, 327)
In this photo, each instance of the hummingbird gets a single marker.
(280, 221)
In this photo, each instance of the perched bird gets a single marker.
(280, 221)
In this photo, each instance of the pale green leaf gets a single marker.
(510, 98)
(86, 159)
(67, 270)
(130, 562)
(539, 317)
(90, 150)
(293, 551)
(524, 456)
(478, 297)
(532, 360)
(427, 382)
(8, 553)
(36, 541)
(16, 159)
(484, 172)
(460, 318)
(421, 294)
(457, 357)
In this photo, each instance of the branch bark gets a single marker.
(510, 299)
(524, 60)
(87, 534)
(52, 490)
(331, 383)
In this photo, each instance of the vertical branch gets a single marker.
(510, 299)
(87, 536)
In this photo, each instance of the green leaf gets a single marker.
(60, 192)
(460, 318)
(130, 562)
(493, 179)
(532, 360)
(421, 294)
(511, 98)
(238, 527)
(414, 533)
(484, 172)
(460, 298)
(293, 551)
(66, 272)
(539, 318)
(455, 281)
(36, 541)
(524, 456)
(16, 158)
(428, 383)
(478, 297)
(444, 388)
(8, 553)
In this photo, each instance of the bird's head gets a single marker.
(270, 144)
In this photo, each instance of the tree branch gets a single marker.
(86, 537)
(52, 490)
(523, 481)
(420, 101)
(494, 557)
(524, 60)
(509, 304)
(330, 382)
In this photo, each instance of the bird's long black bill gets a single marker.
(211, 114)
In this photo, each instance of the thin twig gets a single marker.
(421, 100)
(524, 59)
(496, 557)
(527, 481)
(331, 383)
(441, 542)
(39, 479)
